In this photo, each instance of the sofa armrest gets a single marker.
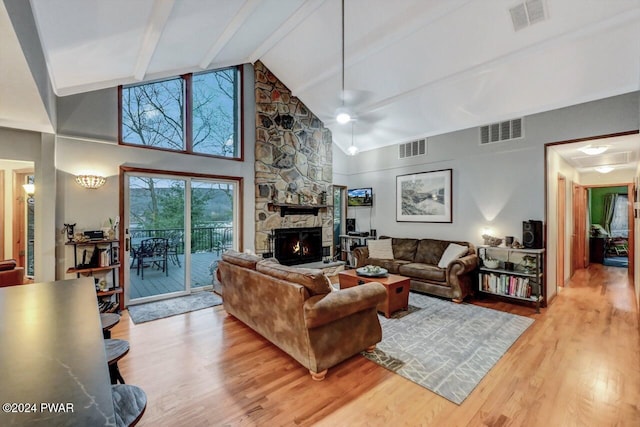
(361, 254)
(462, 265)
(12, 277)
(322, 309)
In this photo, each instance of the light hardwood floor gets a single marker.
(577, 365)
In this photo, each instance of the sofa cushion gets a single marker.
(8, 264)
(380, 249)
(391, 265)
(311, 278)
(423, 271)
(241, 259)
(430, 251)
(405, 249)
(453, 251)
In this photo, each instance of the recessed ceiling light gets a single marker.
(594, 150)
(604, 169)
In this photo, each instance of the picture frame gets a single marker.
(425, 197)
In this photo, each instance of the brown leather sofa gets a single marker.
(297, 310)
(418, 259)
(10, 275)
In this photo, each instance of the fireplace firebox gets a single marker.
(298, 245)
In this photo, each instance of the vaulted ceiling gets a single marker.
(413, 68)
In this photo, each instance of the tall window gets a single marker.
(620, 219)
(194, 113)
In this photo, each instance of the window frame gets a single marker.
(188, 116)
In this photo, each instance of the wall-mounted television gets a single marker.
(360, 197)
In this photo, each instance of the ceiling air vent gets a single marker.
(527, 13)
(503, 131)
(412, 149)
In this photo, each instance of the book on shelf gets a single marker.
(506, 285)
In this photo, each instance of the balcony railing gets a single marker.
(203, 239)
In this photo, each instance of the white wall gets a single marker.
(497, 185)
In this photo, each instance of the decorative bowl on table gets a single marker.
(371, 271)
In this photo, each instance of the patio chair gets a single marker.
(154, 252)
(175, 242)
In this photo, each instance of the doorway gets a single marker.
(339, 213)
(23, 223)
(177, 226)
(585, 163)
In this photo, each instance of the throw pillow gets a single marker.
(380, 249)
(453, 251)
(8, 264)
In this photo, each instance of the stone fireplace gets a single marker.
(293, 166)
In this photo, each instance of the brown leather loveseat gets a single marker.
(296, 309)
(418, 259)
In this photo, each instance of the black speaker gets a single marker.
(351, 225)
(532, 234)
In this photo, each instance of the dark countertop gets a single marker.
(52, 352)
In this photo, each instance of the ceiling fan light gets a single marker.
(594, 150)
(604, 169)
(343, 116)
(352, 150)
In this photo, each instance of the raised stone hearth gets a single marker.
(293, 161)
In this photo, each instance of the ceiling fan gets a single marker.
(349, 99)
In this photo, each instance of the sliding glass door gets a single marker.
(212, 227)
(178, 227)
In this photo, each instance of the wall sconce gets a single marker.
(90, 181)
(29, 189)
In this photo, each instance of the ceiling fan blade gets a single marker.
(355, 97)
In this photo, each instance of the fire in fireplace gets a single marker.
(298, 245)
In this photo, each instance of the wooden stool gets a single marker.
(129, 403)
(115, 350)
(108, 320)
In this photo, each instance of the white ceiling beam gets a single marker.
(107, 84)
(232, 28)
(160, 12)
(299, 16)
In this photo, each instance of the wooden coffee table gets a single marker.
(397, 288)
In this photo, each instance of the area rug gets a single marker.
(446, 347)
(170, 307)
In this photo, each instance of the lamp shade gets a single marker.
(91, 181)
(29, 188)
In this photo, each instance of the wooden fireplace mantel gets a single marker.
(295, 209)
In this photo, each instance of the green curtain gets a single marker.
(608, 208)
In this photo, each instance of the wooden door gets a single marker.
(579, 251)
(561, 217)
(631, 242)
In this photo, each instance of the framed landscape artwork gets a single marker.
(424, 197)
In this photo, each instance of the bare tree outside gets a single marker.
(153, 114)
